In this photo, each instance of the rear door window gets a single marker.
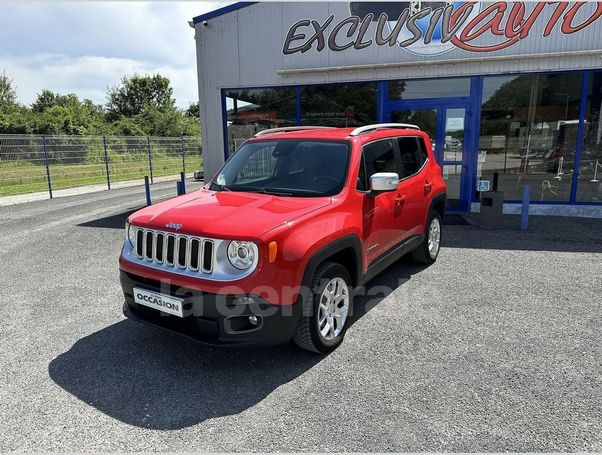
(413, 155)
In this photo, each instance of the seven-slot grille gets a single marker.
(175, 250)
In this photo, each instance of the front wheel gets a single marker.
(331, 294)
(428, 250)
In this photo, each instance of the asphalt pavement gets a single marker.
(496, 347)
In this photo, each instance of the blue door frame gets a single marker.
(471, 105)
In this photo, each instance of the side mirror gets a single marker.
(384, 181)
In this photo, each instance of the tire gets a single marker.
(425, 254)
(308, 335)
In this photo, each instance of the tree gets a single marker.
(47, 99)
(8, 95)
(193, 110)
(153, 122)
(139, 106)
(137, 92)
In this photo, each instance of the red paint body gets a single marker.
(300, 225)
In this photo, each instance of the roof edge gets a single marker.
(221, 11)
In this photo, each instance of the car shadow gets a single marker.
(153, 379)
(116, 221)
(377, 289)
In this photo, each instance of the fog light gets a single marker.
(244, 301)
(253, 320)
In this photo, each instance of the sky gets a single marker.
(85, 47)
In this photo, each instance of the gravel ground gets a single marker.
(496, 347)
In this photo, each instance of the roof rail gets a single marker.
(286, 129)
(377, 126)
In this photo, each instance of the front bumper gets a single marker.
(220, 320)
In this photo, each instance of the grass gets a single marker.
(20, 177)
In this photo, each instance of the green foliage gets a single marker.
(8, 95)
(137, 93)
(193, 110)
(138, 106)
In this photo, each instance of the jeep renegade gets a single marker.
(273, 247)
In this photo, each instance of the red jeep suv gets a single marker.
(273, 247)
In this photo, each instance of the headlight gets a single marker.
(130, 232)
(241, 254)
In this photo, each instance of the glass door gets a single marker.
(452, 164)
(444, 122)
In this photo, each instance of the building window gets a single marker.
(251, 111)
(529, 133)
(339, 105)
(590, 175)
(430, 88)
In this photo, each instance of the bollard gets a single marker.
(147, 190)
(104, 142)
(524, 214)
(47, 166)
(183, 180)
(150, 158)
(179, 190)
(183, 154)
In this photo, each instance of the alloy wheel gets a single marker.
(333, 308)
(434, 237)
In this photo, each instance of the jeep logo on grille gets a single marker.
(172, 225)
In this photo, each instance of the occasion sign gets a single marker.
(433, 28)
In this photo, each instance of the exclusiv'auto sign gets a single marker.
(434, 28)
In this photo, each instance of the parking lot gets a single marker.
(496, 347)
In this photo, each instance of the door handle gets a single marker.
(399, 200)
(427, 186)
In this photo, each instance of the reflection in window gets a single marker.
(425, 119)
(251, 111)
(590, 176)
(378, 156)
(259, 165)
(287, 167)
(431, 88)
(529, 134)
(411, 156)
(339, 105)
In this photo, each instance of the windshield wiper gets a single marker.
(220, 187)
(257, 189)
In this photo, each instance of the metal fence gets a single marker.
(31, 163)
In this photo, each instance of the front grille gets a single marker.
(175, 250)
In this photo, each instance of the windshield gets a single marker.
(286, 168)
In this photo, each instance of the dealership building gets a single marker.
(513, 88)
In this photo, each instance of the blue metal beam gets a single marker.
(221, 11)
(579, 145)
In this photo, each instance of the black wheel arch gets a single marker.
(343, 249)
(438, 203)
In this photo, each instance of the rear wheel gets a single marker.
(428, 250)
(324, 329)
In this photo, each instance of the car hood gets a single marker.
(225, 214)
